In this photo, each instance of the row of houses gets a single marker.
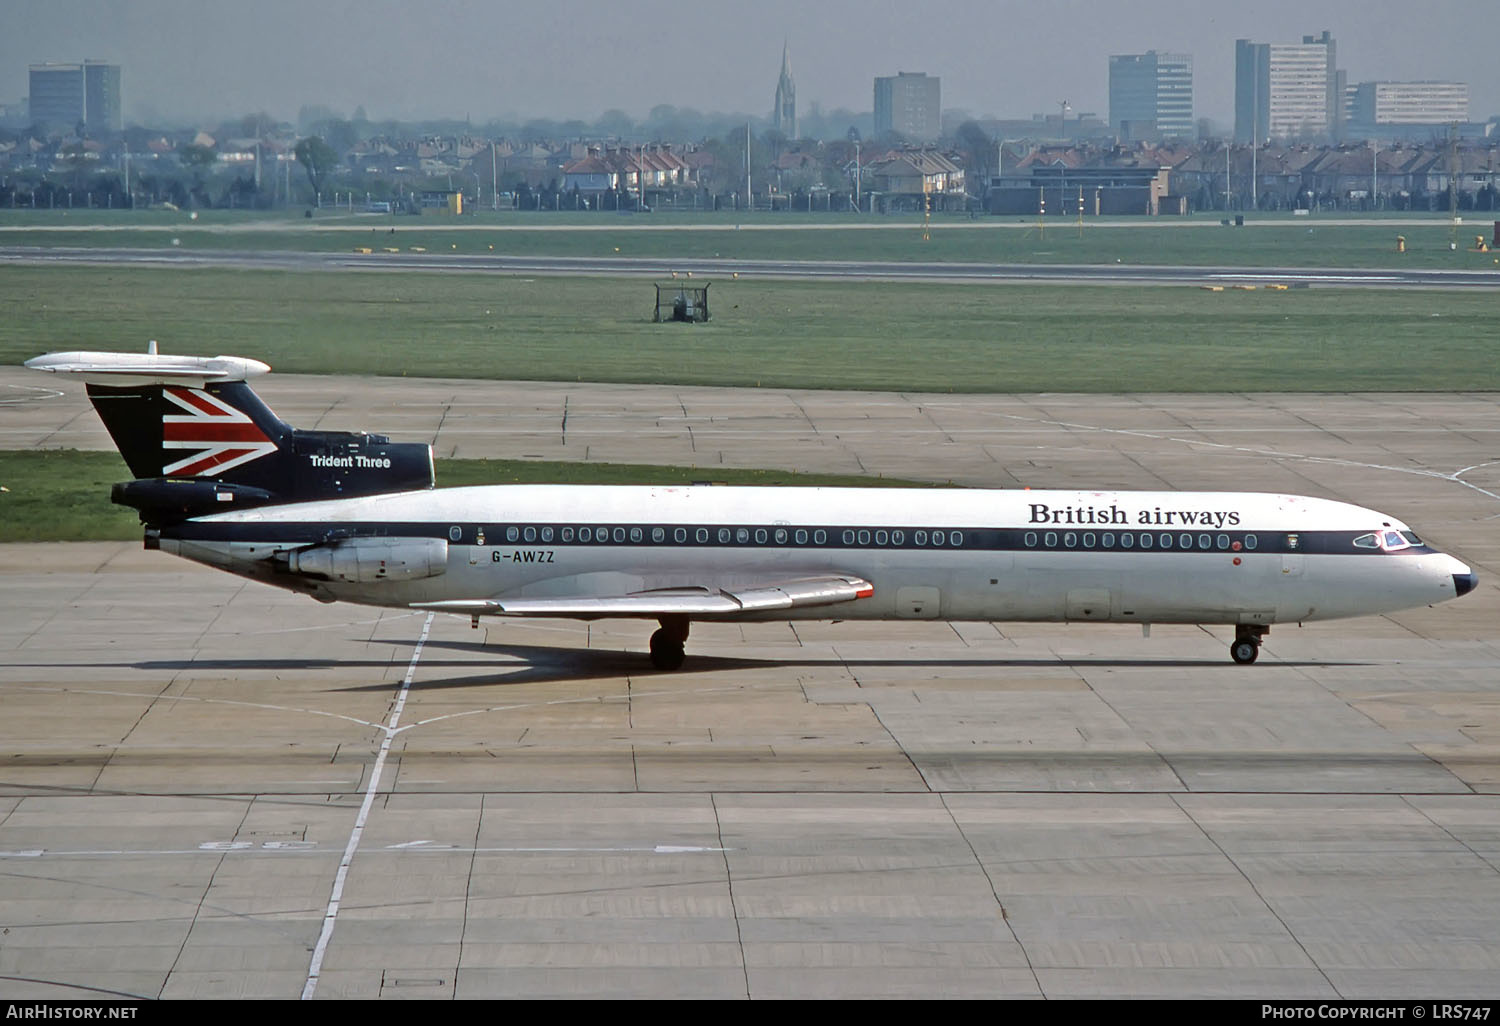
(1140, 178)
(1147, 179)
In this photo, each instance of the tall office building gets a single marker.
(1409, 103)
(1151, 95)
(1287, 90)
(909, 104)
(64, 95)
(785, 117)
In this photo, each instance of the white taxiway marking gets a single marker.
(403, 848)
(331, 915)
(35, 394)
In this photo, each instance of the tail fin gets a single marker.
(199, 440)
(216, 431)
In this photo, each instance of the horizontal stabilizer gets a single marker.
(688, 601)
(133, 370)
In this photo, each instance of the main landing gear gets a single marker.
(1247, 642)
(666, 644)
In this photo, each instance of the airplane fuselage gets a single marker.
(1149, 557)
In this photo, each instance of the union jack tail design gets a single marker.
(198, 440)
(214, 436)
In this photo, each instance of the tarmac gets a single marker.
(210, 788)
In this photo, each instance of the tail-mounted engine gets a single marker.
(364, 560)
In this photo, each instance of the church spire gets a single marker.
(784, 118)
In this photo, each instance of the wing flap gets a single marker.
(689, 601)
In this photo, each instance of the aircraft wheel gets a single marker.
(666, 652)
(1243, 651)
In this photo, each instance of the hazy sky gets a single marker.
(205, 59)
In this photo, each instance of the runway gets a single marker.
(835, 810)
(826, 270)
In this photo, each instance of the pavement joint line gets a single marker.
(330, 917)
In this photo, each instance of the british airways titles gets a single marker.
(1041, 513)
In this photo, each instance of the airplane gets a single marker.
(353, 517)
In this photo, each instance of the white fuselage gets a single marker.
(1148, 557)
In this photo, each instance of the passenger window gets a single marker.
(760, 536)
(1205, 542)
(1166, 541)
(567, 534)
(864, 537)
(819, 537)
(1222, 541)
(801, 537)
(1088, 539)
(1146, 539)
(679, 535)
(780, 536)
(724, 536)
(881, 537)
(921, 538)
(529, 534)
(584, 534)
(636, 534)
(620, 535)
(898, 537)
(1107, 540)
(546, 534)
(1031, 539)
(848, 537)
(658, 534)
(702, 536)
(512, 534)
(742, 535)
(1250, 541)
(1050, 539)
(956, 539)
(1127, 541)
(1070, 540)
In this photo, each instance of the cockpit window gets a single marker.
(1411, 538)
(1392, 540)
(1367, 541)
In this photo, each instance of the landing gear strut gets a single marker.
(1247, 642)
(666, 644)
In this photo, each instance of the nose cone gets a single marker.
(1464, 583)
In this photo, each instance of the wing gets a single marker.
(693, 601)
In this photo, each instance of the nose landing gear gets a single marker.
(1247, 642)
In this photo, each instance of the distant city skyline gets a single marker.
(202, 60)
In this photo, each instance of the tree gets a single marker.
(341, 135)
(317, 159)
(977, 147)
(197, 159)
(615, 122)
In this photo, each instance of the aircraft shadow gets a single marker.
(533, 664)
(546, 664)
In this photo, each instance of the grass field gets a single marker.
(1268, 239)
(63, 495)
(878, 336)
